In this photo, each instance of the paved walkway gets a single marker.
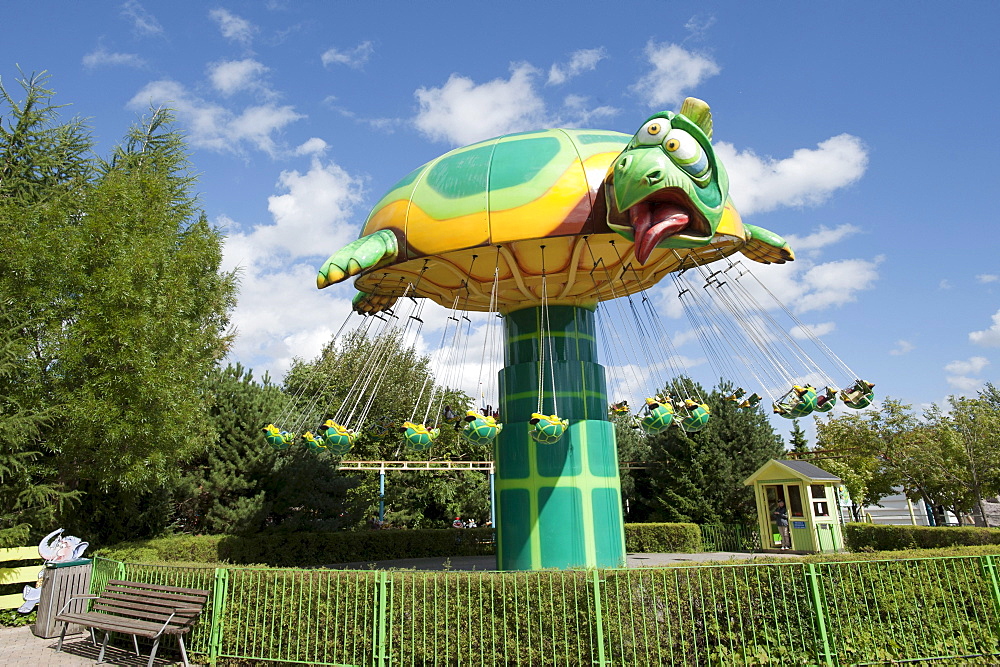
(18, 646)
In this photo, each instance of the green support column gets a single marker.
(559, 505)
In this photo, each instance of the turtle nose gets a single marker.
(624, 163)
(654, 176)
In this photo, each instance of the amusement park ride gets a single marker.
(540, 228)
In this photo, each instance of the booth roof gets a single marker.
(800, 468)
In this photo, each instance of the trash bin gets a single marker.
(60, 581)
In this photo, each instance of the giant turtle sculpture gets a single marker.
(597, 214)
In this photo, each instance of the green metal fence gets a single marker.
(729, 537)
(846, 613)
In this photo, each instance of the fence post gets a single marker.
(220, 591)
(598, 618)
(818, 602)
(990, 569)
(381, 620)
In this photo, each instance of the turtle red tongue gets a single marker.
(654, 221)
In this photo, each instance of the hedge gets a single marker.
(303, 549)
(877, 537)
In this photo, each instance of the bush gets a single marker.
(309, 549)
(284, 549)
(877, 537)
(662, 538)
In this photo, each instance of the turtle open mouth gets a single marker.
(663, 214)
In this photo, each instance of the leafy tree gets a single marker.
(700, 476)
(341, 385)
(855, 444)
(112, 280)
(633, 447)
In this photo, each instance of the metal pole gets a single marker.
(493, 500)
(381, 495)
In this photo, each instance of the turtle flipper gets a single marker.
(765, 246)
(368, 252)
(366, 303)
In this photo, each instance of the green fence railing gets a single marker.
(729, 537)
(844, 613)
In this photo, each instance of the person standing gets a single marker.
(780, 516)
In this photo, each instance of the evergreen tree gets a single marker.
(798, 441)
(700, 475)
(222, 488)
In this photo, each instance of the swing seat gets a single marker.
(279, 440)
(698, 416)
(826, 400)
(480, 429)
(655, 401)
(798, 402)
(315, 443)
(418, 437)
(859, 395)
(338, 439)
(751, 402)
(621, 408)
(736, 395)
(547, 430)
(658, 419)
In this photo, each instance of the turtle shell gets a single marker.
(520, 205)
(658, 420)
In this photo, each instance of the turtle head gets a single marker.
(667, 189)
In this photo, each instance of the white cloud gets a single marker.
(821, 238)
(804, 286)
(463, 112)
(902, 347)
(808, 331)
(232, 76)
(988, 337)
(213, 126)
(808, 177)
(675, 71)
(580, 61)
(355, 58)
(578, 107)
(962, 370)
(233, 27)
(312, 146)
(986, 278)
(142, 21)
(944, 284)
(312, 217)
(101, 56)
(969, 366)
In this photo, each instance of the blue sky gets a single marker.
(865, 133)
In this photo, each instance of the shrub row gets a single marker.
(327, 548)
(877, 537)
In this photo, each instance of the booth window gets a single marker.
(794, 501)
(820, 506)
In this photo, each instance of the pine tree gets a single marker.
(797, 439)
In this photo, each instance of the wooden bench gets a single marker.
(140, 610)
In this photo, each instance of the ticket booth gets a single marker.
(807, 497)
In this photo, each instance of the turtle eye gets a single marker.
(651, 133)
(687, 154)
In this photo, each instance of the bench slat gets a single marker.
(157, 595)
(160, 603)
(131, 612)
(157, 587)
(118, 624)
